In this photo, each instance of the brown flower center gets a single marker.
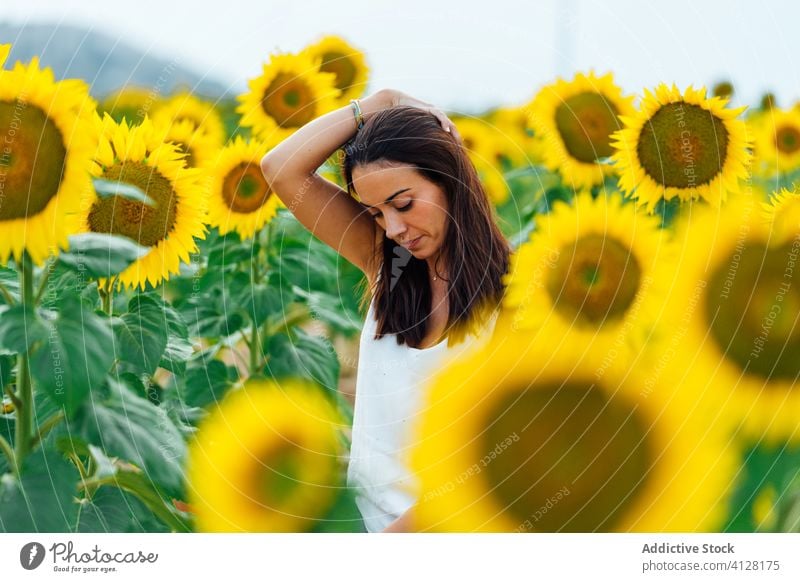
(244, 188)
(289, 101)
(585, 123)
(342, 66)
(122, 216)
(594, 281)
(787, 139)
(32, 160)
(576, 461)
(753, 304)
(683, 146)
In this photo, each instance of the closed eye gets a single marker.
(405, 208)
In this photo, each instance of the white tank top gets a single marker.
(389, 395)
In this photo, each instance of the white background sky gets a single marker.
(466, 55)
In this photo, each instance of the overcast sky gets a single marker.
(466, 55)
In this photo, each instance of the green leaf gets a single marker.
(76, 356)
(113, 510)
(328, 309)
(20, 327)
(96, 255)
(130, 427)
(303, 356)
(179, 349)
(207, 383)
(110, 188)
(9, 278)
(142, 334)
(42, 500)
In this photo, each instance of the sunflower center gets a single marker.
(594, 281)
(145, 224)
(289, 101)
(753, 303)
(32, 160)
(787, 140)
(340, 65)
(279, 476)
(585, 123)
(683, 146)
(578, 458)
(244, 188)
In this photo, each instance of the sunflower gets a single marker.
(735, 314)
(130, 104)
(44, 161)
(241, 199)
(198, 146)
(681, 145)
(138, 156)
(778, 141)
(265, 460)
(349, 65)
(783, 213)
(524, 437)
(185, 106)
(4, 50)
(290, 92)
(515, 125)
(573, 121)
(594, 271)
(484, 151)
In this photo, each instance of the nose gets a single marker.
(395, 225)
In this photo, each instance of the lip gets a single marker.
(411, 245)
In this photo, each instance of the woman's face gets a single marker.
(410, 208)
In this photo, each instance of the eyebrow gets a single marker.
(390, 198)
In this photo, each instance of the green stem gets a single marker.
(51, 423)
(43, 283)
(24, 424)
(6, 295)
(9, 452)
(14, 400)
(107, 296)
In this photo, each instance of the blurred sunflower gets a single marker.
(483, 150)
(522, 437)
(737, 303)
(681, 145)
(241, 199)
(198, 146)
(778, 141)
(290, 92)
(783, 213)
(514, 124)
(594, 272)
(185, 106)
(138, 156)
(130, 103)
(4, 50)
(348, 63)
(45, 158)
(265, 460)
(574, 121)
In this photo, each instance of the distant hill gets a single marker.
(100, 60)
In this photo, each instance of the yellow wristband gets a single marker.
(357, 113)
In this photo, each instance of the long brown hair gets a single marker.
(474, 249)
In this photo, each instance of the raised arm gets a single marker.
(320, 205)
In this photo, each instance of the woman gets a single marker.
(418, 223)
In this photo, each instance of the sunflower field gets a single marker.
(175, 348)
